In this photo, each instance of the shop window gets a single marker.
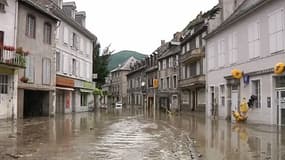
(84, 99)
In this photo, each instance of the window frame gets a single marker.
(255, 41)
(259, 97)
(47, 34)
(46, 80)
(275, 33)
(4, 86)
(29, 32)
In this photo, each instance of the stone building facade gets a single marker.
(36, 94)
(137, 84)
(168, 70)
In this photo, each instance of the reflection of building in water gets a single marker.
(240, 141)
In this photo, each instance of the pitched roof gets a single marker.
(38, 5)
(58, 12)
(126, 66)
(120, 58)
(247, 7)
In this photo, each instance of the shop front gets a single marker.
(64, 95)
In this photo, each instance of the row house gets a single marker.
(10, 60)
(35, 33)
(249, 36)
(192, 79)
(151, 75)
(118, 83)
(74, 50)
(168, 69)
(137, 84)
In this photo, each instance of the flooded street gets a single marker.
(136, 134)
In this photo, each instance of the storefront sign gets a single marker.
(155, 83)
(65, 82)
(84, 85)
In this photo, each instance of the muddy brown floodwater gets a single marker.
(135, 134)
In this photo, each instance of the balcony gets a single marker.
(9, 58)
(193, 82)
(193, 55)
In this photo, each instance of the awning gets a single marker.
(4, 2)
(86, 91)
(64, 88)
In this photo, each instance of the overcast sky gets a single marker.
(139, 25)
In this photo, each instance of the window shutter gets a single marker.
(230, 48)
(197, 42)
(31, 70)
(70, 65)
(27, 25)
(65, 63)
(65, 33)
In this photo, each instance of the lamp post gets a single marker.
(143, 92)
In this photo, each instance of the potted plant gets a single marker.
(24, 79)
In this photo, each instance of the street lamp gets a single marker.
(143, 92)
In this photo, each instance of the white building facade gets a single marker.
(251, 39)
(8, 71)
(74, 50)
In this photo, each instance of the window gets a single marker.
(47, 33)
(29, 71)
(222, 96)
(58, 62)
(168, 82)
(164, 64)
(65, 35)
(74, 66)
(2, 8)
(221, 53)
(197, 42)
(211, 57)
(46, 70)
(3, 3)
(256, 92)
(193, 69)
(75, 41)
(3, 84)
(167, 62)
(161, 83)
(276, 27)
(1, 40)
(31, 26)
(174, 82)
(170, 62)
(83, 100)
(233, 48)
(253, 40)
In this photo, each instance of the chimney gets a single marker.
(162, 42)
(69, 8)
(177, 36)
(80, 18)
(58, 3)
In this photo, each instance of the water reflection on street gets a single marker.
(138, 134)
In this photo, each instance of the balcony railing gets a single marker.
(193, 55)
(192, 82)
(12, 59)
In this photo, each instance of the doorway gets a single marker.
(234, 100)
(281, 107)
(36, 103)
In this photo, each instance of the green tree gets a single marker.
(100, 63)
